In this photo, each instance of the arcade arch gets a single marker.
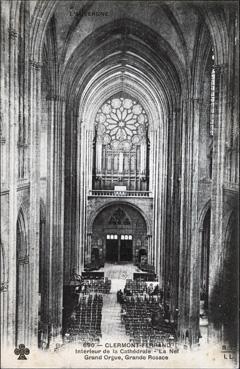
(119, 231)
(22, 279)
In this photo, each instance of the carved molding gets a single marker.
(55, 97)
(35, 64)
(220, 67)
(206, 180)
(4, 286)
(23, 260)
(231, 187)
(2, 140)
(12, 33)
(197, 100)
(22, 144)
(23, 184)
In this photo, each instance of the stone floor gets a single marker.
(112, 328)
(119, 271)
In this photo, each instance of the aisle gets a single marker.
(119, 271)
(112, 328)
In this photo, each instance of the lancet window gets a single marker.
(212, 98)
(22, 118)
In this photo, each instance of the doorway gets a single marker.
(118, 232)
(119, 248)
(126, 250)
(95, 254)
(112, 248)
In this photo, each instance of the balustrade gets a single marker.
(112, 193)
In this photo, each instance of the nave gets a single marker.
(131, 310)
(119, 147)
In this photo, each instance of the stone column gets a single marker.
(82, 175)
(189, 246)
(12, 170)
(216, 233)
(90, 161)
(150, 250)
(159, 205)
(200, 239)
(171, 264)
(153, 188)
(89, 247)
(55, 212)
(34, 211)
(3, 296)
(152, 158)
(143, 157)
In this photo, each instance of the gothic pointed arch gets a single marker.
(22, 279)
(119, 217)
(229, 281)
(43, 286)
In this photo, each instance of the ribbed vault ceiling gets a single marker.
(123, 56)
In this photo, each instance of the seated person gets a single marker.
(127, 291)
(166, 313)
(150, 289)
(119, 296)
(156, 290)
(156, 319)
(123, 315)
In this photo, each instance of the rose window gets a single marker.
(121, 123)
(121, 144)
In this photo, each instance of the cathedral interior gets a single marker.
(119, 152)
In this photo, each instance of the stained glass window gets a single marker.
(119, 217)
(112, 236)
(212, 102)
(212, 98)
(121, 123)
(126, 237)
(121, 127)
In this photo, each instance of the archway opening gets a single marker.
(43, 287)
(142, 256)
(22, 276)
(229, 285)
(205, 248)
(204, 276)
(116, 233)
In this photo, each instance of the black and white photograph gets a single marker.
(119, 171)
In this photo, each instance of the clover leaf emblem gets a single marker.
(22, 351)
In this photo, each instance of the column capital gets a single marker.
(35, 64)
(2, 140)
(177, 110)
(197, 100)
(12, 33)
(23, 260)
(220, 67)
(55, 97)
(4, 286)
